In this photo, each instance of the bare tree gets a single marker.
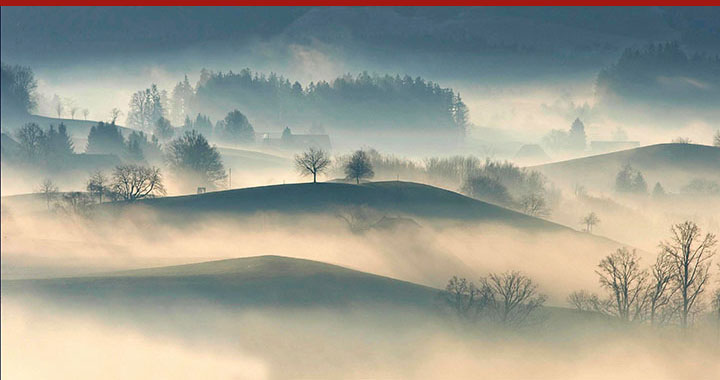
(359, 167)
(73, 111)
(74, 202)
(49, 190)
(464, 298)
(32, 140)
(114, 115)
(660, 290)
(590, 221)
(689, 254)
(312, 162)
(132, 182)
(534, 205)
(513, 296)
(98, 185)
(681, 140)
(584, 301)
(85, 113)
(59, 108)
(716, 139)
(620, 273)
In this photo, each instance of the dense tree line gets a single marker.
(640, 73)
(363, 101)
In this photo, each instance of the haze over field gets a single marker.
(360, 192)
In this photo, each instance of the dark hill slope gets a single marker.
(273, 281)
(392, 197)
(674, 165)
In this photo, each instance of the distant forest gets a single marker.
(362, 102)
(663, 72)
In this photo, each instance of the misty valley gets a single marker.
(360, 192)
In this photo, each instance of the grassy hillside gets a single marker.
(395, 198)
(253, 281)
(674, 165)
(248, 159)
(261, 282)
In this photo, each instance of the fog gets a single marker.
(157, 227)
(40, 341)
(507, 114)
(38, 246)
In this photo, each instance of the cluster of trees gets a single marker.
(505, 184)
(316, 161)
(202, 124)
(498, 182)
(235, 128)
(701, 186)
(43, 147)
(353, 101)
(573, 140)
(106, 138)
(669, 291)
(152, 112)
(629, 180)
(17, 89)
(364, 100)
(510, 298)
(637, 71)
(146, 108)
(193, 159)
(190, 157)
(129, 182)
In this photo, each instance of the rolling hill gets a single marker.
(674, 165)
(273, 281)
(250, 159)
(391, 197)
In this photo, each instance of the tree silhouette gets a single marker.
(31, 139)
(133, 182)
(620, 273)
(98, 185)
(237, 128)
(191, 157)
(689, 253)
(359, 167)
(18, 89)
(105, 138)
(163, 129)
(312, 162)
(49, 191)
(513, 297)
(590, 221)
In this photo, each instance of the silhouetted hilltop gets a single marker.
(253, 281)
(392, 197)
